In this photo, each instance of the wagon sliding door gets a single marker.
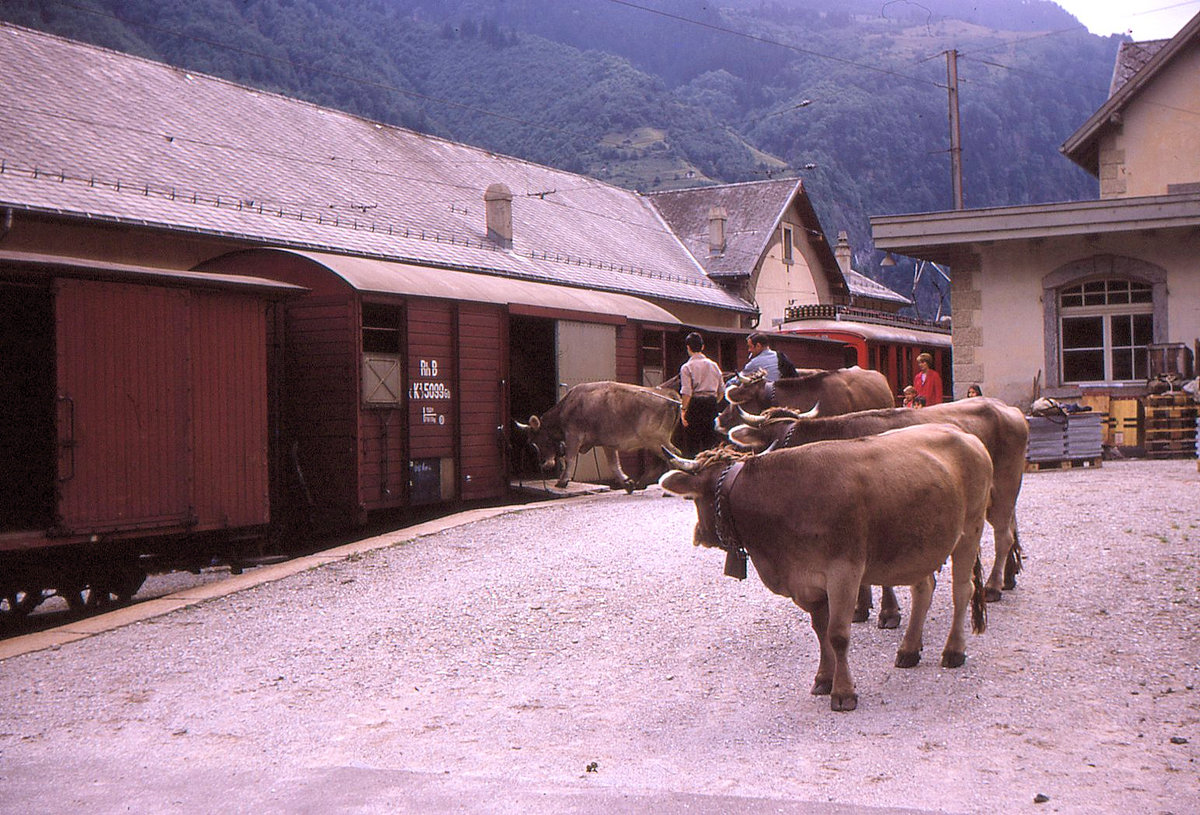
(122, 407)
(586, 352)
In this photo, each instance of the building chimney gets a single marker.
(842, 252)
(717, 216)
(498, 202)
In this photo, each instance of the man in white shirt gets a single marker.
(700, 386)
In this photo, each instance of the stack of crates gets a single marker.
(1121, 419)
(1170, 425)
(1075, 439)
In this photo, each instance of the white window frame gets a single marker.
(1106, 299)
(787, 241)
(1088, 269)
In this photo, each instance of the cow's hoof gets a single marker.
(861, 615)
(843, 704)
(907, 659)
(953, 659)
(562, 485)
(992, 595)
(629, 485)
(889, 619)
(822, 687)
(1010, 582)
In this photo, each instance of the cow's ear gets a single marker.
(680, 483)
(535, 422)
(744, 437)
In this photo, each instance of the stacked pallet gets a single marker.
(1071, 440)
(1170, 426)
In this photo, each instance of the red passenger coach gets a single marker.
(137, 406)
(885, 343)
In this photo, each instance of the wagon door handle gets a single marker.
(66, 442)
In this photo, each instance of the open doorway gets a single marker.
(533, 386)
(27, 450)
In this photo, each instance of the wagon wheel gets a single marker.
(109, 590)
(18, 603)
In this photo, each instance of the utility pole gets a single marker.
(955, 133)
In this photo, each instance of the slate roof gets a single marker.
(92, 133)
(1136, 67)
(1131, 58)
(754, 209)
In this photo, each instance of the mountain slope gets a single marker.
(659, 94)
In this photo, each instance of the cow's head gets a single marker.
(747, 387)
(698, 479)
(546, 446)
(759, 431)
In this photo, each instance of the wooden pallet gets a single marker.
(1062, 464)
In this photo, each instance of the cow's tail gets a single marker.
(978, 599)
(1012, 566)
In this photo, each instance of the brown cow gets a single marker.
(1001, 428)
(837, 391)
(610, 415)
(820, 520)
(840, 391)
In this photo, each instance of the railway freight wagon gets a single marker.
(400, 382)
(135, 424)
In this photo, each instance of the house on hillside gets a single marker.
(1085, 300)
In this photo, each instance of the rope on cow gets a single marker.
(723, 454)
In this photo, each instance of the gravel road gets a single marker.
(583, 656)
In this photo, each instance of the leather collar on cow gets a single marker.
(724, 528)
(787, 437)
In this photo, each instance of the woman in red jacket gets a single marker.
(928, 382)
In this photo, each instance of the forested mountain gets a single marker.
(848, 94)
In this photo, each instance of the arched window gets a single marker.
(1101, 313)
(1105, 326)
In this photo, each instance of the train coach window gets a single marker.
(381, 329)
(382, 374)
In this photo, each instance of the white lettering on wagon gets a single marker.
(427, 389)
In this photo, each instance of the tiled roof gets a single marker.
(753, 209)
(1137, 66)
(1131, 58)
(93, 133)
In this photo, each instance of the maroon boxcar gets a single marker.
(397, 379)
(137, 410)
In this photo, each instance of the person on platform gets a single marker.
(928, 382)
(761, 357)
(700, 386)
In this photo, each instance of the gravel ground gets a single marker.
(583, 656)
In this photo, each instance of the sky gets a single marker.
(1148, 19)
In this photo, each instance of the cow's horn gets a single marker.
(742, 378)
(752, 419)
(524, 428)
(688, 465)
(811, 414)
